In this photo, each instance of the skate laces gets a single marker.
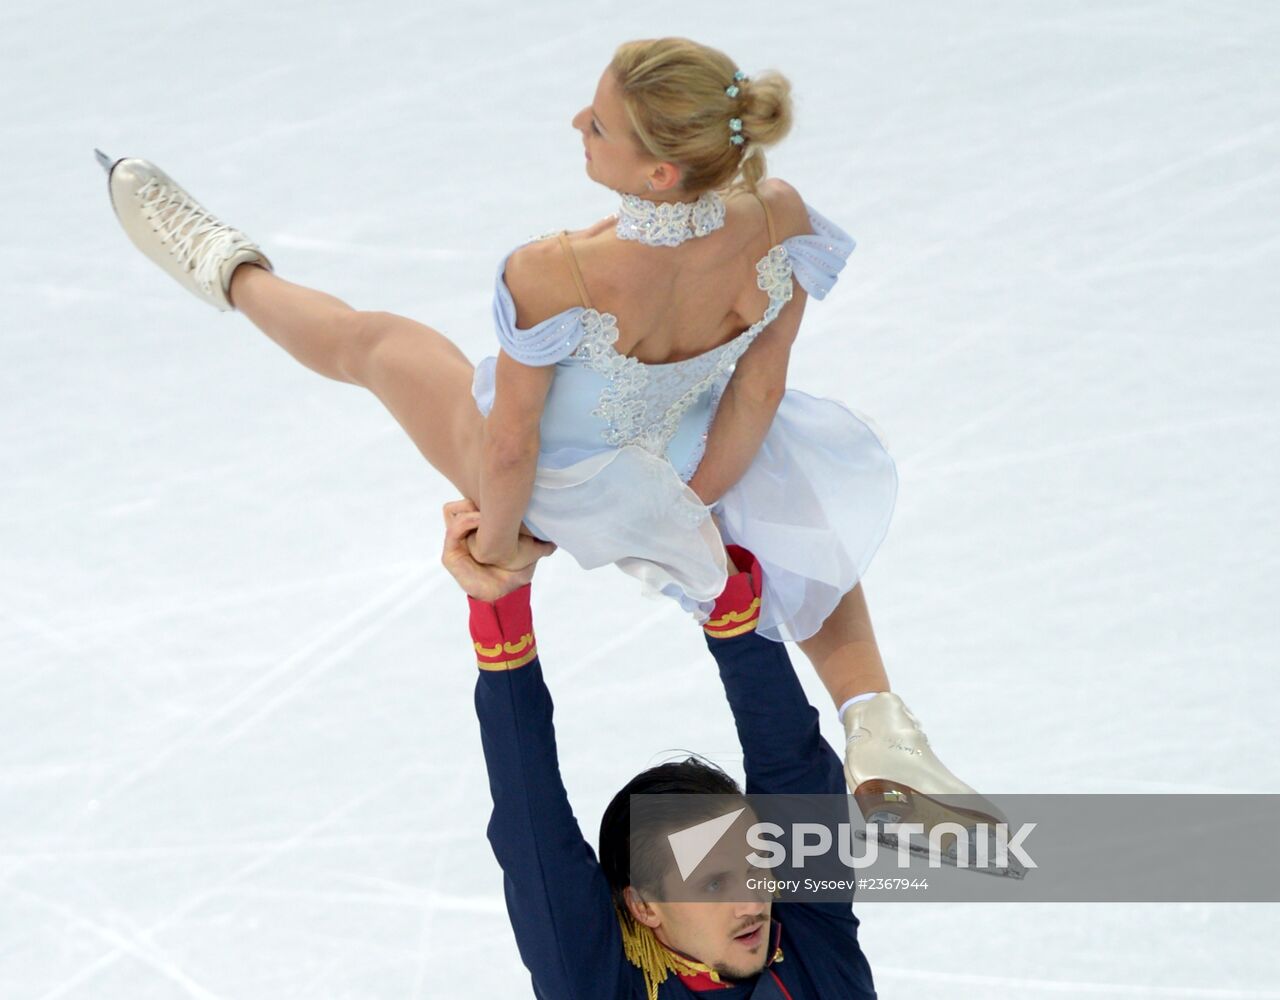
(201, 242)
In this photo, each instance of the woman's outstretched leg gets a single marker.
(420, 375)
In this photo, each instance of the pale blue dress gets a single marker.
(620, 439)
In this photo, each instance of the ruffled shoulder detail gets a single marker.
(818, 258)
(552, 340)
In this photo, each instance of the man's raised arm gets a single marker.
(557, 896)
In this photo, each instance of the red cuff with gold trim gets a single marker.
(737, 609)
(502, 631)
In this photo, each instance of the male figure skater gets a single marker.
(589, 928)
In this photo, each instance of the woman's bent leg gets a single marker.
(420, 375)
(844, 651)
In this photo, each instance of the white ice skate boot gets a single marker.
(176, 231)
(895, 777)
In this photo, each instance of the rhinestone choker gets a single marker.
(668, 223)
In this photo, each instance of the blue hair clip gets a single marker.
(735, 124)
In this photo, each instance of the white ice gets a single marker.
(238, 757)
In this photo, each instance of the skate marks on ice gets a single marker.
(264, 695)
(140, 942)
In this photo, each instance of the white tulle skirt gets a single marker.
(813, 508)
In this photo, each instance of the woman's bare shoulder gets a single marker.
(790, 215)
(539, 281)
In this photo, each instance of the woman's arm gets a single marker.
(739, 427)
(747, 406)
(759, 380)
(509, 458)
(536, 277)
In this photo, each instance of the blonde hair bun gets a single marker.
(678, 99)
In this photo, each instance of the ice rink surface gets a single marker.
(238, 757)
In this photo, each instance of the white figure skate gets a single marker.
(176, 231)
(895, 777)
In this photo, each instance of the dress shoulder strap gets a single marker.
(768, 218)
(573, 268)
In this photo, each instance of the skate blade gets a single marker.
(885, 802)
(104, 161)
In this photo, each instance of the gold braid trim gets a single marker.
(731, 632)
(655, 960)
(525, 642)
(735, 617)
(644, 952)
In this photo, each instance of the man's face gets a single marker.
(712, 917)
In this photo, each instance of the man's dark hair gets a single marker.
(644, 862)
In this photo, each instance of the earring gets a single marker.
(648, 185)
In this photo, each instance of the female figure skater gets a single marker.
(637, 412)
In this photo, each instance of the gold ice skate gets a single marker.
(896, 777)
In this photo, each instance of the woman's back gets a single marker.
(670, 303)
(663, 327)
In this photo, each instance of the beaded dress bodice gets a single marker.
(642, 404)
